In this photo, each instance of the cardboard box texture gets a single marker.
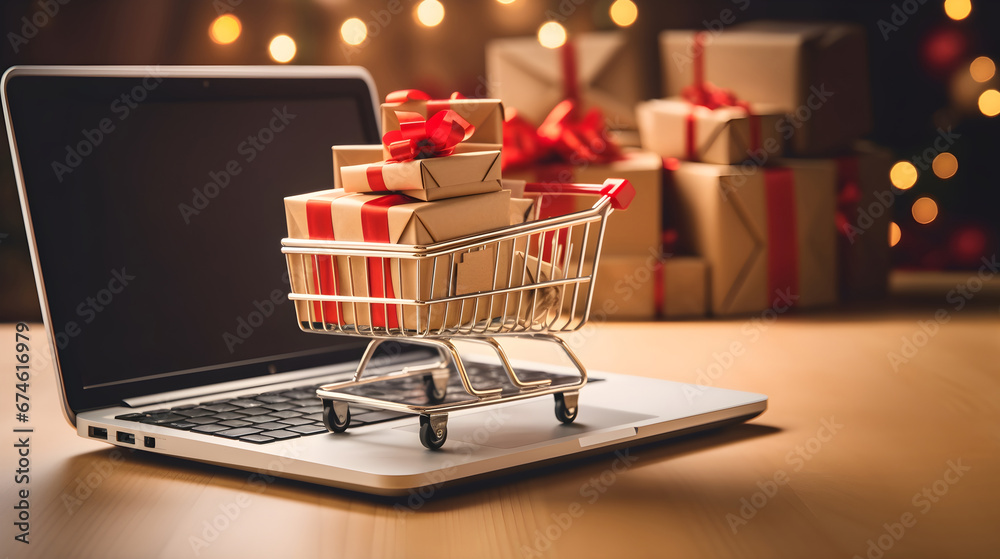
(428, 179)
(767, 234)
(485, 114)
(815, 72)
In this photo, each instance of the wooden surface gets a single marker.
(896, 433)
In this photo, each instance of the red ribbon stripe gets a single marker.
(782, 231)
(375, 229)
(319, 225)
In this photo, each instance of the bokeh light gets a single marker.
(225, 29)
(982, 69)
(354, 31)
(957, 9)
(282, 48)
(945, 165)
(430, 12)
(624, 12)
(903, 175)
(924, 210)
(552, 35)
(506, 1)
(989, 102)
(894, 234)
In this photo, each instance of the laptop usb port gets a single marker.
(124, 437)
(97, 432)
(149, 442)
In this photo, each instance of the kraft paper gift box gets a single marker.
(726, 135)
(650, 287)
(635, 231)
(531, 78)
(345, 156)
(815, 72)
(433, 178)
(767, 233)
(862, 220)
(398, 219)
(485, 114)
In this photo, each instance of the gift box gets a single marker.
(595, 69)
(398, 219)
(345, 156)
(486, 115)
(650, 287)
(428, 179)
(635, 231)
(724, 135)
(864, 211)
(767, 233)
(817, 73)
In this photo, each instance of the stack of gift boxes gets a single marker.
(753, 190)
(435, 177)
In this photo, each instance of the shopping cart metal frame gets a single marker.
(577, 266)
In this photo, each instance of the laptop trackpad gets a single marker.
(532, 423)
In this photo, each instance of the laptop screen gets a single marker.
(156, 206)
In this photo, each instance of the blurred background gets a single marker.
(931, 69)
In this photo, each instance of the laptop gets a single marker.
(152, 198)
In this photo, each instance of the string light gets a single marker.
(903, 175)
(624, 12)
(354, 31)
(552, 35)
(430, 12)
(506, 1)
(282, 48)
(945, 165)
(989, 102)
(982, 69)
(924, 210)
(225, 29)
(957, 9)
(894, 234)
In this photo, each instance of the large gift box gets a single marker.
(636, 231)
(595, 69)
(486, 115)
(649, 287)
(724, 135)
(817, 73)
(767, 233)
(864, 211)
(427, 179)
(398, 219)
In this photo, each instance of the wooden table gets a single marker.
(854, 453)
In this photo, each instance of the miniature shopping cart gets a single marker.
(529, 280)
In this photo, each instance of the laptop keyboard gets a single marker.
(259, 419)
(297, 412)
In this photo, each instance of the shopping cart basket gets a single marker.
(530, 280)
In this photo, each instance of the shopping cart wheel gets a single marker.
(435, 393)
(336, 416)
(433, 430)
(567, 406)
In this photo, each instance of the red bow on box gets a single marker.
(420, 138)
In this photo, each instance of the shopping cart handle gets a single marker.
(620, 191)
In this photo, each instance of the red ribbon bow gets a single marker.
(562, 138)
(420, 138)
